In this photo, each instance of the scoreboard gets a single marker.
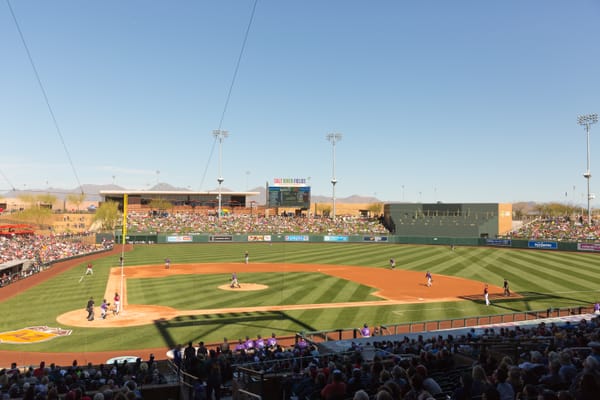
(289, 196)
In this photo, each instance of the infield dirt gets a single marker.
(393, 287)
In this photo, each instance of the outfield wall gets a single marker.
(548, 245)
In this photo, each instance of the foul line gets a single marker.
(404, 311)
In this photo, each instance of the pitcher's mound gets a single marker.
(244, 287)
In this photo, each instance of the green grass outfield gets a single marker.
(546, 278)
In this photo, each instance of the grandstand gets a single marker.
(445, 355)
(280, 376)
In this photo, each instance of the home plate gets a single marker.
(420, 299)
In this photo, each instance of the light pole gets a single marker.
(220, 135)
(587, 120)
(333, 138)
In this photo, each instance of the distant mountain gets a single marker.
(165, 187)
(92, 193)
(261, 198)
(354, 199)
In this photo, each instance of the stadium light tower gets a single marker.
(333, 138)
(587, 120)
(220, 135)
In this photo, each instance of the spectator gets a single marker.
(336, 389)
(480, 381)
(463, 391)
(429, 384)
(360, 395)
(505, 389)
(567, 371)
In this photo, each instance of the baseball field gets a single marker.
(285, 288)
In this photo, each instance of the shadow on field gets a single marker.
(504, 302)
(216, 322)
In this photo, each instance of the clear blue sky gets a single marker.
(452, 101)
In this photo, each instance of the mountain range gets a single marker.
(92, 193)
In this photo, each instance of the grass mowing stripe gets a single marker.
(530, 277)
(572, 279)
(581, 270)
(306, 288)
(551, 272)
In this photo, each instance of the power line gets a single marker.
(7, 181)
(53, 191)
(237, 65)
(235, 72)
(39, 81)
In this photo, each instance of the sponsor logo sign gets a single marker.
(179, 239)
(335, 238)
(296, 238)
(33, 334)
(289, 181)
(498, 242)
(375, 239)
(588, 246)
(221, 238)
(534, 244)
(259, 238)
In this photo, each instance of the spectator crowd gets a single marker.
(554, 361)
(562, 229)
(42, 250)
(187, 222)
(116, 381)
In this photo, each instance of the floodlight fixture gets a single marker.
(333, 138)
(220, 135)
(587, 120)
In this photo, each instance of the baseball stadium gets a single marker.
(324, 288)
(469, 281)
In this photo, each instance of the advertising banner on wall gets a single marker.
(259, 238)
(335, 238)
(498, 242)
(179, 239)
(221, 238)
(296, 238)
(534, 244)
(375, 239)
(588, 246)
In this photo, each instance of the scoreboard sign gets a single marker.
(289, 196)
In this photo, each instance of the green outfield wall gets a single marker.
(544, 244)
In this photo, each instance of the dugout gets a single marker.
(453, 220)
(13, 270)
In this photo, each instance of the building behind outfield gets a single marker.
(143, 198)
(453, 220)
